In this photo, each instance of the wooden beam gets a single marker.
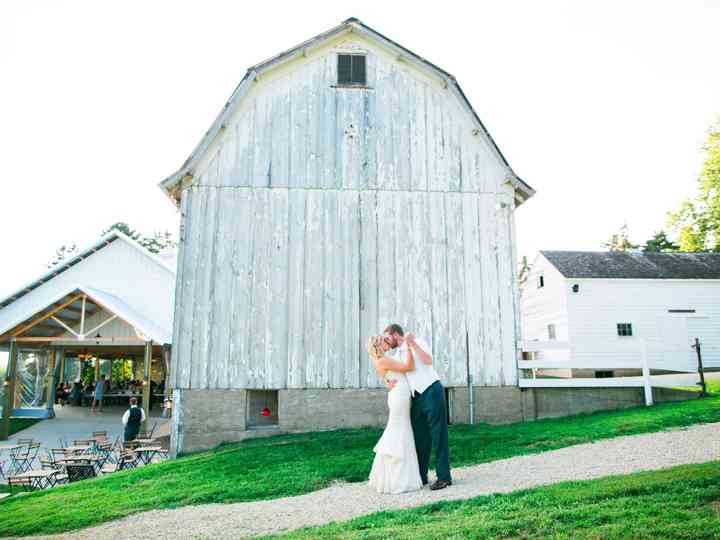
(89, 341)
(9, 386)
(46, 316)
(146, 382)
(51, 380)
(82, 316)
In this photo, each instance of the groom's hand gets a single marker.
(410, 338)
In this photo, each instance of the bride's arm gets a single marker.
(388, 364)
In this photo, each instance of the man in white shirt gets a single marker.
(428, 412)
(132, 420)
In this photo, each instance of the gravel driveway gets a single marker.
(340, 502)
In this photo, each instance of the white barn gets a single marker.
(346, 184)
(602, 302)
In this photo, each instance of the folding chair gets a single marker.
(147, 434)
(24, 483)
(99, 436)
(104, 451)
(62, 442)
(126, 460)
(25, 442)
(23, 460)
(80, 470)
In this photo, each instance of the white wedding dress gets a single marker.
(395, 468)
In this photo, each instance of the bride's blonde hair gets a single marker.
(373, 347)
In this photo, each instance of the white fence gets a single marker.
(634, 355)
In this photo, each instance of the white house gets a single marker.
(604, 303)
(346, 184)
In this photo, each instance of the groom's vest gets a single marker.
(423, 375)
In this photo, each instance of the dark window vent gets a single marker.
(681, 311)
(624, 329)
(351, 70)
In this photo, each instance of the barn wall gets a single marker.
(323, 214)
(281, 288)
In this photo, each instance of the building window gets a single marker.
(603, 374)
(624, 329)
(262, 409)
(351, 70)
(681, 311)
(541, 281)
(551, 332)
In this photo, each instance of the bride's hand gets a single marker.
(391, 384)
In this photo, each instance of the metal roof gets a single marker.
(635, 265)
(69, 263)
(170, 184)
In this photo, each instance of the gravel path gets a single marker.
(341, 502)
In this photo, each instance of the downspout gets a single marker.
(471, 396)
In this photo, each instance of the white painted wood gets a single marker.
(668, 381)
(325, 214)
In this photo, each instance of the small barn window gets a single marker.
(551, 332)
(681, 311)
(351, 70)
(624, 329)
(262, 409)
(604, 374)
(541, 281)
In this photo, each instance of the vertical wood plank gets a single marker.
(474, 288)
(314, 315)
(276, 364)
(438, 255)
(296, 288)
(456, 288)
(369, 323)
(180, 309)
(490, 295)
(418, 139)
(350, 280)
(259, 295)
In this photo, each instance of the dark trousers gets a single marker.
(428, 414)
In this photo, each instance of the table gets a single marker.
(146, 453)
(39, 477)
(78, 448)
(10, 446)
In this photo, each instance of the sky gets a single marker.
(603, 107)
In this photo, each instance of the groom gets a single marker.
(428, 412)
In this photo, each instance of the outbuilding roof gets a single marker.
(171, 184)
(635, 265)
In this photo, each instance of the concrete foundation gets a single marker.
(202, 419)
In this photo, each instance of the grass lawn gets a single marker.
(18, 424)
(682, 502)
(295, 464)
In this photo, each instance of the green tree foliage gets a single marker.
(660, 243)
(697, 221)
(154, 243)
(620, 241)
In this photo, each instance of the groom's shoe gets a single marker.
(440, 484)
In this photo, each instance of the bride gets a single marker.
(395, 468)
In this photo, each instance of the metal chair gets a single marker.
(25, 442)
(22, 461)
(80, 470)
(25, 483)
(100, 435)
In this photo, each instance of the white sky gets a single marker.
(601, 106)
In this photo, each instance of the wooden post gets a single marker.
(168, 391)
(646, 374)
(62, 366)
(701, 371)
(146, 382)
(97, 369)
(51, 381)
(9, 387)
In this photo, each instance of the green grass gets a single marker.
(18, 424)
(295, 464)
(682, 502)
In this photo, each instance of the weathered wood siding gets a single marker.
(325, 214)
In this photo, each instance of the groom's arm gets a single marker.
(424, 356)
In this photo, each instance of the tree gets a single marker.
(155, 243)
(697, 221)
(620, 241)
(660, 242)
(63, 252)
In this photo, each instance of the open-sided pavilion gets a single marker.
(110, 303)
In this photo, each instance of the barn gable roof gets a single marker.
(634, 265)
(174, 183)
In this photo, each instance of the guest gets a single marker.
(99, 392)
(76, 394)
(132, 419)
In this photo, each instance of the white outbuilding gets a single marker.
(600, 303)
